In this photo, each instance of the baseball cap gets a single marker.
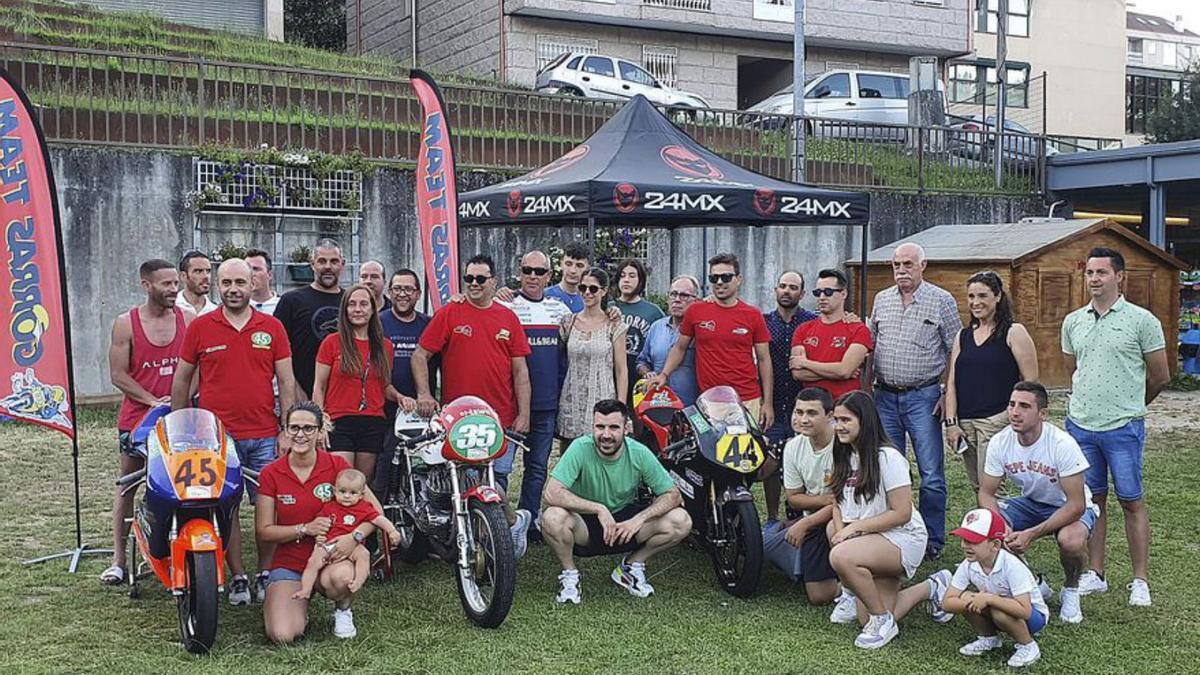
(980, 525)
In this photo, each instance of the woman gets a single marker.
(597, 367)
(876, 535)
(991, 355)
(353, 377)
(292, 490)
(637, 313)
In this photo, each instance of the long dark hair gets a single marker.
(871, 437)
(638, 267)
(1004, 314)
(380, 356)
(601, 278)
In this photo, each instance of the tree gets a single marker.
(315, 23)
(1177, 118)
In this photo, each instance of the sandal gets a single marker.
(113, 576)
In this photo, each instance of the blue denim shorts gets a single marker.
(1022, 513)
(283, 574)
(255, 454)
(1036, 622)
(1117, 451)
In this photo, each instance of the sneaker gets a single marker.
(1024, 655)
(519, 530)
(1139, 593)
(1069, 611)
(982, 645)
(1090, 582)
(939, 583)
(1045, 589)
(239, 590)
(879, 631)
(933, 554)
(568, 589)
(343, 624)
(846, 609)
(260, 587)
(632, 577)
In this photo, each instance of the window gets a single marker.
(632, 73)
(988, 12)
(834, 86)
(550, 47)
(882, 86)
(976, 83)
(599, 65)
(662, 63)
(1135, 47)
(1143, 95)
(1168, 54)
(574, 64)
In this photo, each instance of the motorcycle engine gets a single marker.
(434, 509)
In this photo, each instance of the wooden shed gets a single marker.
(1041, 263)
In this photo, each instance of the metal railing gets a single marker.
(692, 5)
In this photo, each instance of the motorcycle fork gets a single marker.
(462, 534)
(172, 535)
(717, 535)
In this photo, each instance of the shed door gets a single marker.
(1139, 287)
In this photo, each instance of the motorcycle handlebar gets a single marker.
(672, 448)
(417, 440)
(516, 436)
(131, 478)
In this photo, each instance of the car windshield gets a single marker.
(192, 429)
(723, 409)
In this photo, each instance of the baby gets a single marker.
(345, 512)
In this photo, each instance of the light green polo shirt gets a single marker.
(1109, 386)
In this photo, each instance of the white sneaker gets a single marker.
(1024, 655)
(343, 624)
(520, 530)
(845, 610)
(1139, 593)
(982, 645)
(879, 631)
(1047, 591)
(239, 590)
(1069, 611)
(939, 583)
(1090, 582)
(568, 590)
(632, 577)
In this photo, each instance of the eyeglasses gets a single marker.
(721, 278)
(535, 271)
(589, 289)
(480, 279)
(826, 292)
(404, 290)
(302, 429)
(676, 295)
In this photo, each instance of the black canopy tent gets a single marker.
(639, 169)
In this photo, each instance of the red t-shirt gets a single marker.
(298, 503)
(828, 343)
(344, 393)
(477, 348)
(725, 339)
(345, 518)
(237, 369)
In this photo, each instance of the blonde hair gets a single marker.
(353, 477)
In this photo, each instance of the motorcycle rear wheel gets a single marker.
(199, 602)
(738, 563)
(486, 587)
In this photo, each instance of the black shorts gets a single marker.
(814, 557)
(358, 433)
(596, 545)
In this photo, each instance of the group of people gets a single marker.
(559, 361)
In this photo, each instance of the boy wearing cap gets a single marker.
(1006, 595)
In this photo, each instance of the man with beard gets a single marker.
(197, 273)
(309, 314)
(371, 274)
(262, 294)
(575, 261)
(592, 510)
(146, 342)
(238, 352)
(829, 353)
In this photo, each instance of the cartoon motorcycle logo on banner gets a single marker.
(32, 400)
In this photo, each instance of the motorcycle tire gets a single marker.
(738, 570)
(493, 567)
(199, 602)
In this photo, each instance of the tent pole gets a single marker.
(592, 234)
(670, 255)
(862, 275)
(704, 263)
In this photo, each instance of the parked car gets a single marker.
(975, 137)
(607, 77)
(852, 95)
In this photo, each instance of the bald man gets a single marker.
(239, 350)
(371, 274)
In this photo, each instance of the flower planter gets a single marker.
(301, 273)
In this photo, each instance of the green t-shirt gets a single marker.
(613, 483)
(637, 316)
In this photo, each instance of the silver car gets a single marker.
(607, 77)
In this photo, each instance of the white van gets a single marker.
(853, 95)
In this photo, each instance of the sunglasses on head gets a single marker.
(480, 279)
(826, 292)
(535, 271)
(721, 278)
(590, 289)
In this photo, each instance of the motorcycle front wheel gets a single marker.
(737, 560)
(487, 584)
(199, 602)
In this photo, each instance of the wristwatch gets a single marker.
(359, 536)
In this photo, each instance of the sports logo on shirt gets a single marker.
(741, 331)
(463, 330)
(348, 519)
(503, 334)
(260, 339)
(287, 499)
(324, 491)
(812, 341)
(839, 342)
(708, 325)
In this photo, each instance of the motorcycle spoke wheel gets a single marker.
(487, 583)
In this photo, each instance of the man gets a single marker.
(591, 508)
(575, 262)
(146, 342)
(309, 314)
(371, 275)
(915, 325)
(238, 352)
(262, 291)
(829, 353)
(1048, 467)
(781, 324)
(483, 349)
(662, 337)
(730, 336)
(540, 317)
(1118, 354)
(197, 272)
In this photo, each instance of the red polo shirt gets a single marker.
(344, 393)
(237, 369)
(725, 339)
(828, 343)
(298, 503)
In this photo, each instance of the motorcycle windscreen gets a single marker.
(732, 443)
(194, 449)
(476, 439)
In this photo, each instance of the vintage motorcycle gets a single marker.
(194, 483)
(712, 451)
(442, 497)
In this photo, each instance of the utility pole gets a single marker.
(798, 93)
(1001, 82)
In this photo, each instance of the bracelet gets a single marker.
(300, 533)
(950, 422)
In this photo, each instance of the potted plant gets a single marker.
(226, 251)
(300, 265)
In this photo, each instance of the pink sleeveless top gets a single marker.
(151, 366)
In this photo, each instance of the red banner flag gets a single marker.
(437, 198)
(33, 322)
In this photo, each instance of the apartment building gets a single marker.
(733, 53)
(263, 18)
(1159, 51)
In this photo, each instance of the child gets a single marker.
(345, 512)
(1007, 596)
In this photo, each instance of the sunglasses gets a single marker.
(404, 290)
(826, 292)
(480, 279)
(676, 295)
(535, 271)
(302, 429)
(590, 289)
(721, 278)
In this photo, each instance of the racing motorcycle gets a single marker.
(194, 483)
(442, 497)
(712, 451)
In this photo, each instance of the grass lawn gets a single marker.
(55, 622)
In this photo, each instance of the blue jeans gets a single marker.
(536, 459)
(255, 454)
(1119, 451)
(911, 413)
(504, 465)
(1022, 513)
